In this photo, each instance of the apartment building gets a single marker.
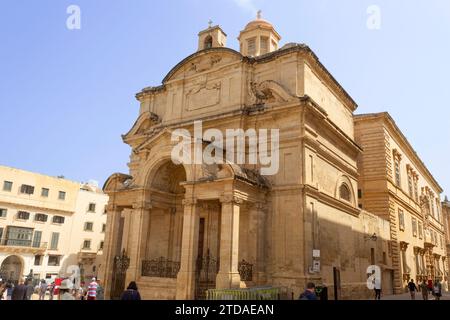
(48, 225)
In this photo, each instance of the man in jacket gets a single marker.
(309, 293)
(19, 292)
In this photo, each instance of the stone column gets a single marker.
(228, 276)
(111, 246)
(261, 248)
(136, 228)
(189, 249)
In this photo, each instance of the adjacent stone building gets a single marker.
(446, 217)
(48, 224)
(396, 185)
(178, 229)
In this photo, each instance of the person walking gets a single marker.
(131, 293)
(42, 289)
(92, 290)
(412, 289)
(65, 290)
(437, 290)
(100, 291)
(9, 290)
(30, 289)
(424, 289)
(377, 288)
(19, 292)
(309, 293)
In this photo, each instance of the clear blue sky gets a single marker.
(66, 96)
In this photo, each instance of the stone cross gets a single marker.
(258, 14)
(210, 22)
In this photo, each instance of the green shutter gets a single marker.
(54, 242)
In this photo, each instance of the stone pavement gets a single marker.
(406, 296)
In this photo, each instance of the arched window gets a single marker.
(344, 192)
(208, 42)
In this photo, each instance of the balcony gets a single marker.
(25, 246)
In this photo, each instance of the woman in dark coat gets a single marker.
(131, 293)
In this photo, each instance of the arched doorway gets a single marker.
(11, 269)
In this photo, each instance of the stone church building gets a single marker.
(179, 229)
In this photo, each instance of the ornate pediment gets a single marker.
(268, 91)
(202, 61)
(143, 124)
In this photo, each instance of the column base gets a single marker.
(228, 280)
(185, 286)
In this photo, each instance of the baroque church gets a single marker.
(189, 231)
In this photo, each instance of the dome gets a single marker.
(258, 23)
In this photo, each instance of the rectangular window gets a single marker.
(44, 192)
(264, 45)
(37, 239)
(23, 215)
(54, 241)
(359, 193)
(384, 258)
(91, 207)
(1, 236)
(440, 240)
(401, 220)
(88, 226)
(416, 190)
(100, 247)
(87, 244)
(26, 189)
(7, 186)
(17, 236)
(410, 185)
(53, 261)
(37, 260)
(3, 213)
(438, 213)
(58, 219)
(420, 230)
(372, 256)
(432, 207)
(104, 227)
(251, 45)
(40, 217)
(62, 195)
(397, 172)
(414, 227)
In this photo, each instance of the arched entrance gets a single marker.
(11, 269)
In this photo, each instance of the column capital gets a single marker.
(189, 201)
(142, 205)
(231, 199)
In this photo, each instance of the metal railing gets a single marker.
(160, 268)
(23, 243)
(256, 293)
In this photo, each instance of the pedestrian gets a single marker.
(30, 289)
(42, 289)
(9, 290)
(309, 293)
(131, 293)
(424, 290)
(412, 289)
(65, 290)
(19, 292)
(51, 290)
(437, 290)
(377, 288)
(92, 290)
(100, 291)
(82, 291)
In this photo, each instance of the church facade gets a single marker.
(179, 229)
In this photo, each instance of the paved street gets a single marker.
(406, 296)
